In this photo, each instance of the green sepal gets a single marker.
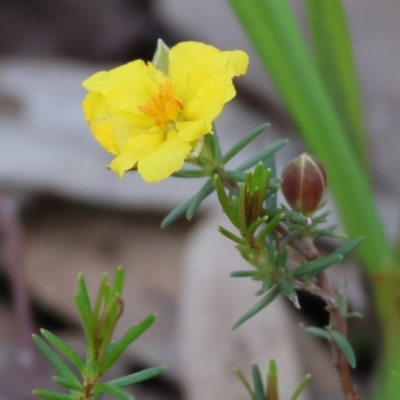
(344, 347)
(261, 155)
(126, 340)
(243, 274)
(137, 377)
(231, 236)
(113, 390)
(64, 348)
(59, 364)
(243, 143)
(225, 203)
(72, 385)
(272, 382)
(267, 299)
(161, 57)
(322, 333)
(245, 382)
(348, 246)
(189, 173)
(300, 387)
(50, 395)
(315, 267)
(269, 228)
(196, 200)
(257, 383)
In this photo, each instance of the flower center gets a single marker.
(163, 106)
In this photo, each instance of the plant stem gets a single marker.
(323, 290)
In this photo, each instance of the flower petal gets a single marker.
(192, 130)
(127, 87)
(113, 129)
(193, 64)
(139, 146)
(210, 99)
(165, 160)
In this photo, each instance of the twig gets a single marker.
(323, 290)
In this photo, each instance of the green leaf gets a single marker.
(189, 173)
(257, 383)
(316, 267)
(85, 311)
(126, 340)
(300, 387)
(355, 314)
(272, 28)
(243, 274)
(176, 213)
(118, 280)
(236, 176)
(225, 203)
(205, 191)
(344, 347)
(161, 57)
(243, 143)
(312, 330)
(272, 382)
(59, 364)
(113, 390)
(64, 348)
(137, 377)
(267, 299)
(348, 246)
(245, 382)
(288, 291)
(335, 63)
(231, 236)
(72, 385)
(261, 155)
(49, 395)
(269, 228)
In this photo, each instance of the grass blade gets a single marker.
(335, 62)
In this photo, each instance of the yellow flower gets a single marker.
(151, 120)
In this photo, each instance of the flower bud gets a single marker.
(303, 184)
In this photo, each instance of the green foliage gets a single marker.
(270, 391)
(98, 323)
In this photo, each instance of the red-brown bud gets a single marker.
(303, 184)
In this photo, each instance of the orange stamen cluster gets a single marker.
(163, 106)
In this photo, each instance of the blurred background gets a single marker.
(69, 214)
